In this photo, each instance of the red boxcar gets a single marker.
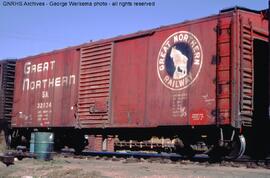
(194, 78)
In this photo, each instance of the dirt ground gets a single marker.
(92, 167)
(95, 167)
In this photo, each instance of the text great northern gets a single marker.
(44, 69)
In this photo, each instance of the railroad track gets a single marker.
(136, 157)
(133, 157)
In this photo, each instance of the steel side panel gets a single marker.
(140, 98)
(47, 95)
(129, 82)
(194, 105)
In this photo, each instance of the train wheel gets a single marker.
(237, 148)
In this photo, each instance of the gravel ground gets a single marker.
(119, 168)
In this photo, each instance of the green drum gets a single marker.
(44, 145)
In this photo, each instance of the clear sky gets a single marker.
(26, 30)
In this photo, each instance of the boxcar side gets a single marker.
(46, 90)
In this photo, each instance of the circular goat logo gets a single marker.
(179, 60)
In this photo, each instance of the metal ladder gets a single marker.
(246, 74)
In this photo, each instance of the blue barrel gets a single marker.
(44, 145)
(32, 142)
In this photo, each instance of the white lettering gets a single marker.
(32, 85)
(165, 49)
(38, 84)
(26, 82)
(168, 44)
(163, 55)
(185, 38)
(180, 38)
(45, 94)
(64, 81)
(166, 78)
(49, 83)
(196, 48)
(161, 61)
(197, 62)
(44, 81)
(161, 67)
(33, 68)
(57, 81)
(27, 67)
(45, 66)
(193, 43)
(175, 39)
(40, 67)
(177, 83)
(72, 80)
(52, 64)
